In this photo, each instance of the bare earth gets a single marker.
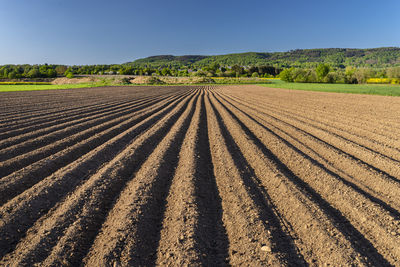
(229, 175)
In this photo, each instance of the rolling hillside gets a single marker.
(338, 57)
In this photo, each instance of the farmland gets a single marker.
(199, 175)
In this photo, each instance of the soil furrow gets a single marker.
(36, 201)
(90, 203)
(376, 143)
(290, 201)
(55, 117)
(316, 102)
(198, 176)
(17, 182)
(251, 238)
(58, 103)
(61, 117)
(376, 229)
(131, 232)
(368, 155)
(22, 143)
(281, 236)
(367, 182)
(26, 159)
(52, 108)
(193, 233)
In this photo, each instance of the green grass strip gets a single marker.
(13, 88)
(369, 89)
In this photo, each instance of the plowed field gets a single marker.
(230, 175)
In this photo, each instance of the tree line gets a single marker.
(324, 73)
(211, 70)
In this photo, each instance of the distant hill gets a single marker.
(337, 57)
(165, 60)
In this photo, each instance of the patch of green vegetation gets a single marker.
(370, 89)
(25, 83)
(12, 88)
(231, 80)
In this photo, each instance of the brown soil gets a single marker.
(170, 80)
(73, 80)
(146, 80)
(191, 175)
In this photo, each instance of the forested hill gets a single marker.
(336, 57)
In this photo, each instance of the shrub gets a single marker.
(200, 73)
(322, 70)
(229, 73)
(299, 76)
(383, 80)
(335, 77)
(126, 80)
(69, 75)
(286, 75)
(395, 81)
(349, 75)
(362, 74)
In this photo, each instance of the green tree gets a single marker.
(286, 75)
(349, 75)
(51, 73)
(238, 70)
(214, 67)
(43, 69)
(165, 72)
(322, 70)
(12, 75)
(69, 75)
(33, 73)
(2, 72)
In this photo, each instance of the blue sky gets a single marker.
(105, 32)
